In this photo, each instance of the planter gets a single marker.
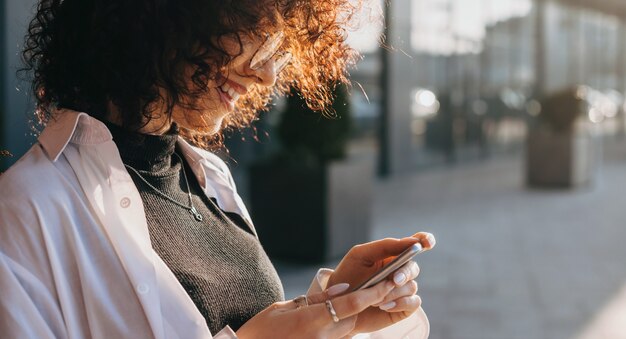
(559, 159)
(311, 214)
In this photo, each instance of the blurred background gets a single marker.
(497, 125)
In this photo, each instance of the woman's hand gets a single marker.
(364, 260)
(289, 320)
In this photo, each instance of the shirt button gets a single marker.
(125, 202)
(143, 288)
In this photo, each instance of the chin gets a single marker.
(209, 130)
(203, 128)
(209, 124)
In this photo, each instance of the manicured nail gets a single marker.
(337, 289)
(416, 299)
(399, 278)
(387, 306)
(431, 240)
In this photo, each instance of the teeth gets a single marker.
(231, 92)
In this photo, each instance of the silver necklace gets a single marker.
(191, 208)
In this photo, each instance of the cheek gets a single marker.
(206, 108)
(201, 122)
(238, 66)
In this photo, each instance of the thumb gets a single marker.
(382, 249)
(327, 294)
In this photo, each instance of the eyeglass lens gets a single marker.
(281, 62)
(267, 51)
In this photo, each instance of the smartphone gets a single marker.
(392, 266)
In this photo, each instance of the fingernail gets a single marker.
(399, 278)
(431, 239)
(417, 299)
(387, 306)
(337, 289)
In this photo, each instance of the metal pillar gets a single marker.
(395, 143)
(621, 74)
(540, 48)
(384, 154)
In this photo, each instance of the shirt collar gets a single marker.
(81, 128)
(70, 126)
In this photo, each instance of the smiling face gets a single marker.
(141, 64)
(257, 61)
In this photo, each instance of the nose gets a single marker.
(266, 74)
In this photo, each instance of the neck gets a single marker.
(142, 151)
(159, 123)
(156, 127)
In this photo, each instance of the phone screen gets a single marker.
(392, 266)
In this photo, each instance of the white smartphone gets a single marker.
(392, 266)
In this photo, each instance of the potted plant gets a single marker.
(310, 202)
(559, 150)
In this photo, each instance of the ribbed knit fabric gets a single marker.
(218, 261)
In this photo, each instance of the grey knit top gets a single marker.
(218, 260)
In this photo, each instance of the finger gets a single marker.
(405, 304)
(329, 293)
(355, 302)
(318, 317)
(342, 328)
(407, 272)
(284, 305)
(427, 240)
(405, 290)
(382, 249)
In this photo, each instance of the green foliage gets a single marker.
(311, 138)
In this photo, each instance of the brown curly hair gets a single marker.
(87, 54)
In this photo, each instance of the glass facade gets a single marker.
(455, 79)
(464, 77)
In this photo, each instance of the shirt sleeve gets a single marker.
(225, 333)
(414, 327)
(25, 306)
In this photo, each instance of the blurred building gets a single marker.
(457, 80)
(486, 62)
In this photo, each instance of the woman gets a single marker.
(114, 226)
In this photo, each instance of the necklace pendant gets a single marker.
(195, 213)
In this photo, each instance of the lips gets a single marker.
(230, 92)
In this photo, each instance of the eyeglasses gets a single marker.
(269, 50)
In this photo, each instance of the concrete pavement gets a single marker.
(510, 262)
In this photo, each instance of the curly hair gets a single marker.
(87, 54)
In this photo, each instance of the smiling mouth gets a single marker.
(230, 93)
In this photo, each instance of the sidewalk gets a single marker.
(510, 262)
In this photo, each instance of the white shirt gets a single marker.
(75, 254)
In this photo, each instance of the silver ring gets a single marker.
(331, 309)
(301, 301)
